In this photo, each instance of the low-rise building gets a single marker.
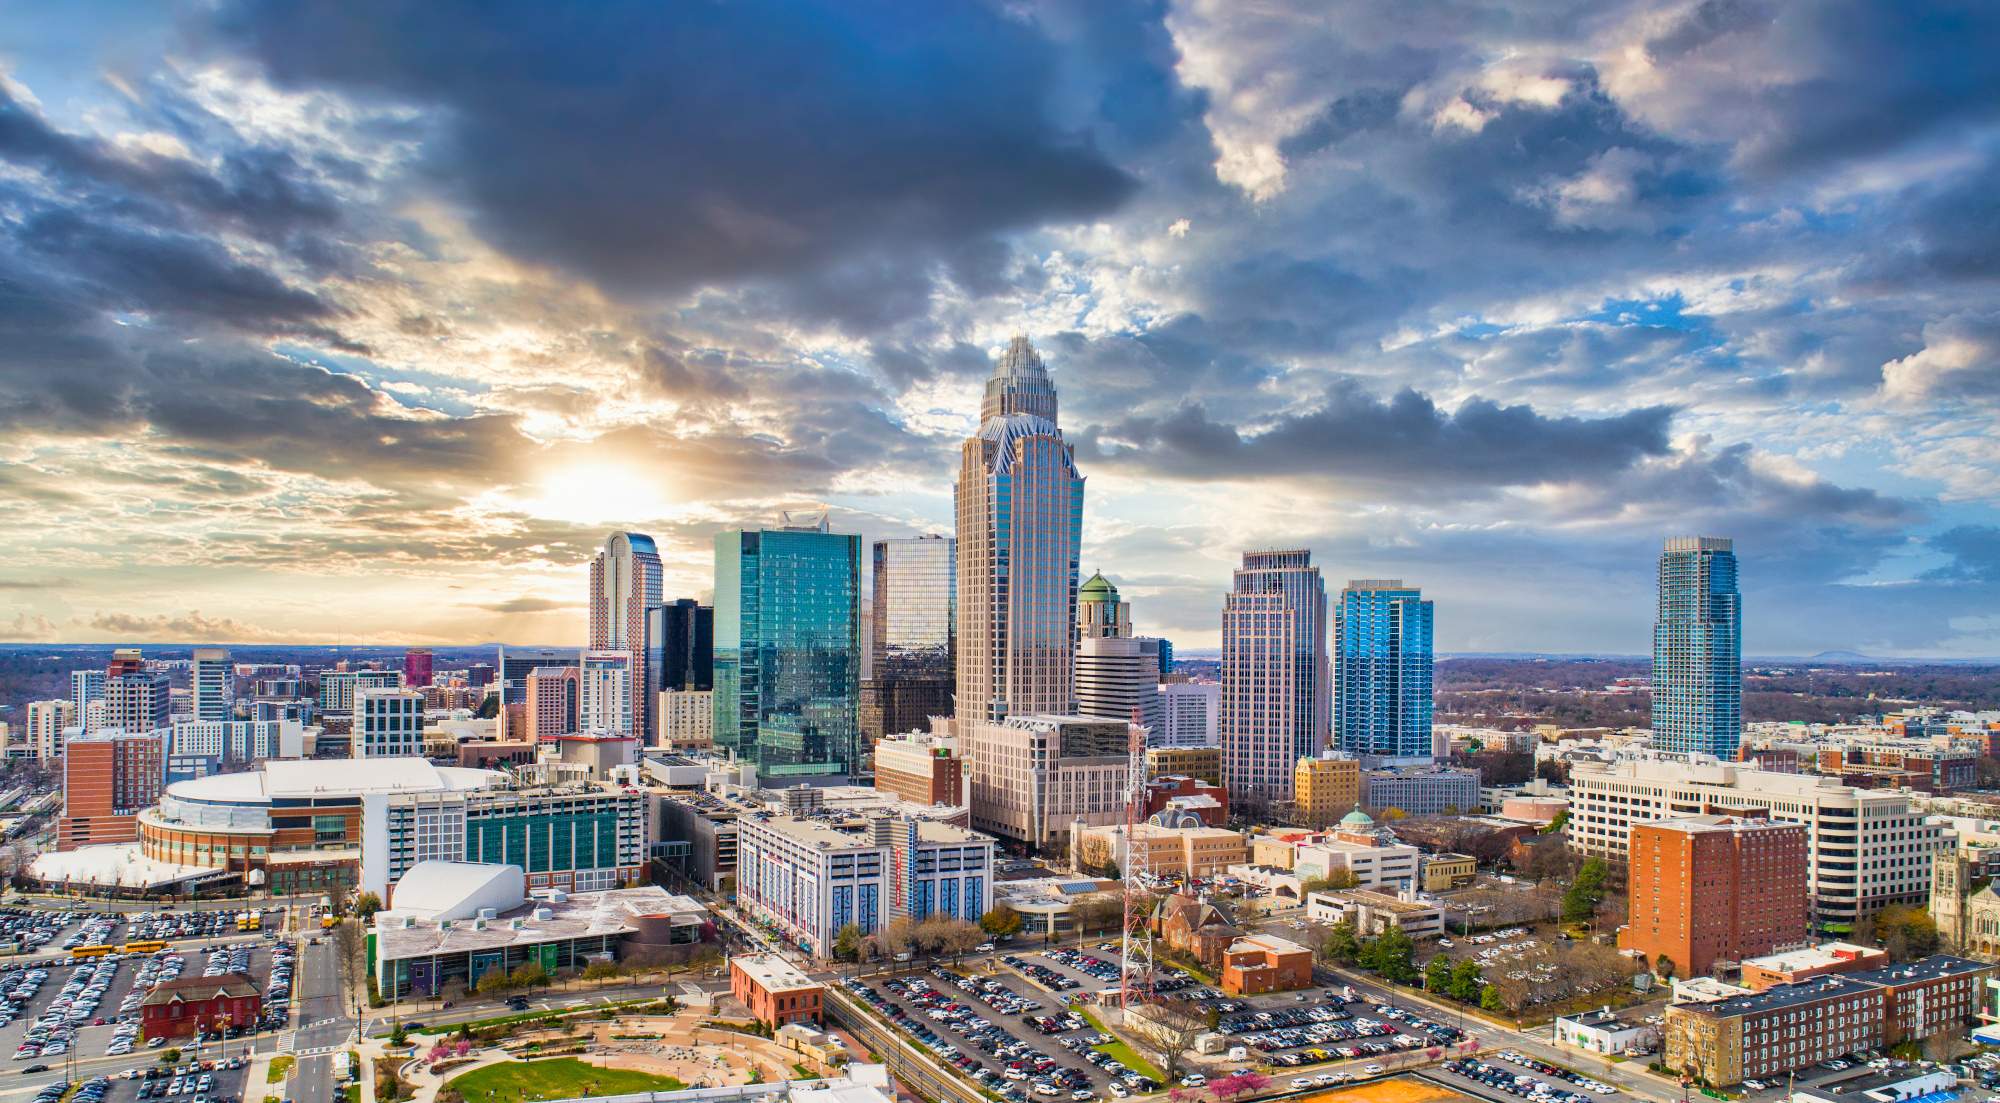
(1793, 966)
(183, 1006)
(775, 992)
(1166, 852)
(1604, 1033)
(1371, 913)
(1199, 762)
(1180, 797)
(1375, 857)
(1923, 997)
(1886, 1086)
(1421, 790)
(1774, 1031)
(1438, 872)
(1265, 963)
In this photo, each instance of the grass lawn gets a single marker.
(558, 1078)
(1117, 1051)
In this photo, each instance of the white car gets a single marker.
(1371, 1069)
(1193, 1080)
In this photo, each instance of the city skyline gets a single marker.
(1493, 303)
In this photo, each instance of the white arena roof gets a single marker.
(119, 864)
(458, 890)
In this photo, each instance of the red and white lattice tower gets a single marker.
(1136, 956)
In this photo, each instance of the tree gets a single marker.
(1109, 870)
(1341, 943)
(596, 970)
(1393, 955)
(1944, 1042)
(1337, 880)
(1489, 1000)
(528, 974)
(1167, 1030)
(1394, 814)
(1580, 902)
(1238, 1084)
(1664, 966)
(493, 980)
(489, 708)
(1450, 809)
(1466, 983)
(1437, 975)
(1000, 921)
(959, 937)
(1556, 825)
(366, 905)
(847, 942)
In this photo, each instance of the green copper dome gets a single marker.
(1356, 818)
(1097, 589)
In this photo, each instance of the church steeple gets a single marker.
(1020, 384)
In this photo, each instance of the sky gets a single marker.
(366, 320)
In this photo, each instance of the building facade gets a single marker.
(138, 702)
(516, 664)
(555, 702)
(774, 991)
(1421, 791)
(1019, 509)
(1866, 849)
(1327, 788)
(680, 651)
(185, 1006)
(212, 683)
(1774, 1031)
(1032, 776)
(913, 635)
(1382, 669)
(417, 667)
(687, 720)
(388, 723)
(624, 584)
(1276, 684)
(1118, 678)
(1190, 715)
(788, 647)
(1704, 889)
(85, 686)
(46, 724)
(604, 692)
(575, 838)
(1698, 649)
(921, 769)
(1197, 762)
(109, 777)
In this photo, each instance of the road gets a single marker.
(322, 1016)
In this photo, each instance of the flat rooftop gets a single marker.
(772, 973)
(1811, 957)
(1935, 967)
(581, 915)
(1783, 995)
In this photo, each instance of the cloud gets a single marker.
(1974, 551)
(1406, 440)
(193, 627)
(1960, 361)
(531, 605)
(655, 146)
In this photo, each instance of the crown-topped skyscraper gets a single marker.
(1019, 506)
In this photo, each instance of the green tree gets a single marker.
(1341, 943)
(1393, 955)
(1664, 966)
(600, 970)
(1489, 1000)
(1579, 904)
(366, 905)
(493, 980)
(1000, 921)
(847, 942)
(1556, 825)
(1466, 981)
(528, 974)
(1336, 881)
(1437, 975)
(489, 708)
(1109, 871)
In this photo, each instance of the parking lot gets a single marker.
(1517, 1074)
(1064, 969)
(960, 1018)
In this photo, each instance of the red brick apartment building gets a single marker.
(108, 779)
(1709, 888)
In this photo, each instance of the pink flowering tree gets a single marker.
(1241, 1083)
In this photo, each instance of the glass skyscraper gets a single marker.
(1698, 649)
(1275, 689)
(1019, 515)
(915, 635)
(1382, 669)
(788, 648)
(680, 645)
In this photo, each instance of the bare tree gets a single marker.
(1945, 1042)
(1167, 1030)
(347, 952)
(960, 937)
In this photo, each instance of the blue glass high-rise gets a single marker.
(1382, 669)
(1698, 649)
(787, 663)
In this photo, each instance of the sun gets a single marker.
(596, 494)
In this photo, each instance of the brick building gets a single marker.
(1710, 888)
(1160, 791)
(922, 769)
(1774, 1031)
(176, 1008)
(108, 779)
(1794, 966)
(774, 991)
(1925, 996)
(1265, 963)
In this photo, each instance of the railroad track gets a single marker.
(907, 1062)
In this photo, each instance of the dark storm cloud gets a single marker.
(1404, 440)
(1974, 551)
(659, 145)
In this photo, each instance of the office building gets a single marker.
(85, 686)
(516, 663)
(1421, 790)
(1032, 776)
(108, 779)
(417, 669)
(604, 701)
(1190, 715)
(1276, 684)
(576, 837)
(338, 687)
(1019, 509)
(774, 991)
(1867, 849)
(680, 656)
(1372, 913)
(921, 769)
(212, 684)
(1382, 669)
(47, 721)
(1099, 613)
(138, 702)
(388, 723)
(788, 647)
(479, 675)
(125, 660)
(913, 636)
(1327, 788)
(1118, 677)
(237, 741)
(687, 720)
(1198, 762)
(555, 702)
(809, 877)
(1698, 649)
(625, 581)
(1709, 888)
(1192, 851)
(1375, 857)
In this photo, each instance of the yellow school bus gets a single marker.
(143, 947)
(90, 951)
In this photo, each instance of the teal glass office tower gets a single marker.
(787, 662)
(1698, 649)
(1382, 669)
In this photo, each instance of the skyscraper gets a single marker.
(1117, 673)
(138, 702)
(1019, 507)
(1276, 694)
(1382, 669)
(1698, 649)
(624, 583)
(914, 636)
(85, 686)
(213, 679)
(417, 667)
(605, 697)
(680, 645)
(788, 647)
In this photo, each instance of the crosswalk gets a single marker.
(288, 1043)
(317, 1051)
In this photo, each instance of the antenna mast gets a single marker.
(1138, 872)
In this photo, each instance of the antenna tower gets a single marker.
(1137, 956)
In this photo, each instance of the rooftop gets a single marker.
(1380, 901)
(188, 989)
(332, 777)
(1781, 996)
(1704, 825)
(116, 864)
(772, 973)
(1601, 1019)
(1811, 957)
(1931, 968)
(1267, 942)
(577, 915)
